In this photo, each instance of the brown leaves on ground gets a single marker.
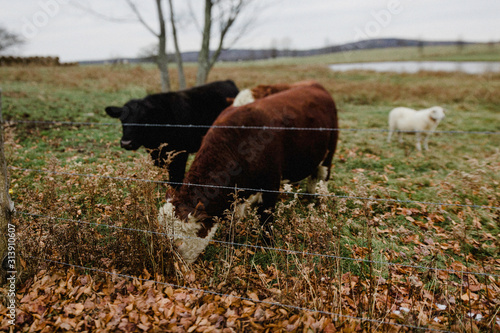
(74, 302)
(68, 300)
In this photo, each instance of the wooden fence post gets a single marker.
(8, 236)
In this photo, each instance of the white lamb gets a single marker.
(408, 120)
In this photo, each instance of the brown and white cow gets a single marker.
(239, 152)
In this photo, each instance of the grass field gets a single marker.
(460, 168)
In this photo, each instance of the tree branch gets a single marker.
(89, 10)
(193, 16)
(8, 39)
(105, 17)
(226, 22)
(178, 55)
(136, 11)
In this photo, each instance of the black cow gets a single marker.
(197, 106)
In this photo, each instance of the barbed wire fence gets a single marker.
(277, 128)
(80, 222)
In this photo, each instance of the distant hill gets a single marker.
(260, 54)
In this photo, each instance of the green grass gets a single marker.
(363, 98)
(459, 168)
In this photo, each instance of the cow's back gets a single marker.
(297, 110)
(286, 149)
(195, 106)
(208, 100)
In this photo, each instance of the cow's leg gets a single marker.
(332, 146)
(155, 156)
(265, 212)
(160, 156)
(244, 207)
(320, 174)
(177, 168)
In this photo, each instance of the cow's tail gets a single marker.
(332, 146)
(327, 162)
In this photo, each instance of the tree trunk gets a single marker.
(162, 51)
(178, 56)
(204, 56)
(226, 20)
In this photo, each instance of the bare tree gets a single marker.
(162, 59)
(178, 56)
(224, 13)
(216, 12)
(9, 39)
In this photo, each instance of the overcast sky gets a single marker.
(58, 28)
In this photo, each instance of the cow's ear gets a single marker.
(114, 111)
(199, 210)
(170, 195)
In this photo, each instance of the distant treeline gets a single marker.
(260, 54)
(33, 61)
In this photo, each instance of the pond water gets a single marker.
(470, 67)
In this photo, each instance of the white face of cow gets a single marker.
(244, 97)
(437, 113)
(184, 233)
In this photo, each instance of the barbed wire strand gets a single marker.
(271, 303)
(277, 128)
(257, 190)
(266, 248)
